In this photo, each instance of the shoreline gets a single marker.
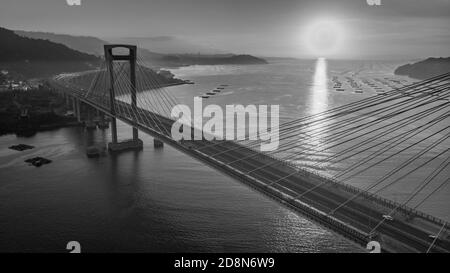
(26, 112)
(31, 131)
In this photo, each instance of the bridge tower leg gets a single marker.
(133, 90)
(74, 107)
(135, 143)
(112, 96)
(78, 110)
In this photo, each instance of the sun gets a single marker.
(323, 37)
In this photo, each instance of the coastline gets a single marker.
(25, 112)
(29, 129)
(47, 119)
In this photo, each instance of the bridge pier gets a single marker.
(123, 145)
(157, 143)
(66, 97)
(89, 123)
(113, 131)
(74, 107)
(102, 123)
(78, 109)
(135, 134)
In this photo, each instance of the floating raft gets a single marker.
(38, 161)
(21, 147)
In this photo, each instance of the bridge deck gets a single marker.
(355, 220)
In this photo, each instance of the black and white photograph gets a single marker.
(225, 134)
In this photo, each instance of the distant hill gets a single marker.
(165, 44)
(39, 58)
(86, 44)
(425, 69)
(16, 48)
(170, 45)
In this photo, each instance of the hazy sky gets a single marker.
(396, 29)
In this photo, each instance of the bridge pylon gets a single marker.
(110, 58)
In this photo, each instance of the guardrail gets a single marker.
(354, 190)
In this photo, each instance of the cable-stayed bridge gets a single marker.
(400, 137)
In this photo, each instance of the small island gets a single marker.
(220, 59)
(425, 69)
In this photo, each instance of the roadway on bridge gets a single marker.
(360, 214)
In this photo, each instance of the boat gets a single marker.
(93, 151)
(210, 93)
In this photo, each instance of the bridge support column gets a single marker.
(77, 109)
(113, 131)
(74, 107)
(102, 124)
(158, 143)
(90, 122)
